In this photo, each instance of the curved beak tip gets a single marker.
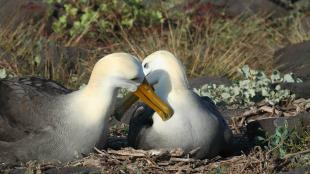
(148, 96)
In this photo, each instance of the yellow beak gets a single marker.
(145, 93)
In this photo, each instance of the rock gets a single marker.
(294, 58)
(231, 8)
(200, 81)
(265, 7)
(52, 58)
(298, 170)
(61, 58)
(269, 125)
(15, 12)
(301, 90)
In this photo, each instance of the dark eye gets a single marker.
(146, 65)
(135, 79)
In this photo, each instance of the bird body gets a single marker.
(195, 124)
(42, 120)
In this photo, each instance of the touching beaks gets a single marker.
(145, 93)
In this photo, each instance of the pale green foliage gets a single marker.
(255, 87)
(3, 73)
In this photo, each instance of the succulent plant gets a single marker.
(3, 73)
(256, 86)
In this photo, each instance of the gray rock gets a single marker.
(298, 170)
(14, 12)
(294, 58)
(53, 58)
(198, 82)
(269, 125)
(301, 90)
(265, 7)
(232, 8)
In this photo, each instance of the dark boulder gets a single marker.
(269, 125)
(263, 7)
(198, 82)
(15, 12)
(295, 58)
(231, 8)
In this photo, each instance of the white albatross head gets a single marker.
(165, 71)
(117, 70)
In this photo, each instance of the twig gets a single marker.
(297, 153)
(99, 151)
(181, 159)
(127, 153)
(271, 110)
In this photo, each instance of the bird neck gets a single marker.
(170, 86)
(93, 103)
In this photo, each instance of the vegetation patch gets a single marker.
(255, 87)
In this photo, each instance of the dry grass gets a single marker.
(216, 46)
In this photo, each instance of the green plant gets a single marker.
(254, 87)
(287, 143)
(97, 18)
(277, 141)
(2, 73)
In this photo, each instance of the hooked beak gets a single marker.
(146, 93)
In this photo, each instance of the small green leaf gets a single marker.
(288, 78)
(3, 73)
(37, 59)
(225, 95)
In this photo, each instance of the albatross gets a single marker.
(196, 125)
(42, 120)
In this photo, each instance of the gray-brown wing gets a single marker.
(207, 103)
(25, 104)
(141, 119)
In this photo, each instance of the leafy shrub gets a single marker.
(285, 143)
(96, 18)
(278, 139)
(255, 87)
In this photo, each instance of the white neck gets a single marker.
(92, 104)
(172, 84)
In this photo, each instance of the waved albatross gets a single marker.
(196, 124)
(41, 120)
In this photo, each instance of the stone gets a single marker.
(269, 125)
(15, 12)
(294, 58)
